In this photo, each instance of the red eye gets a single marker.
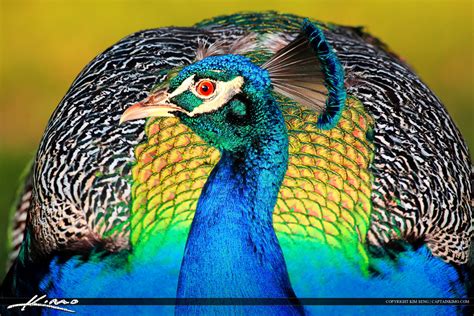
(205, 87)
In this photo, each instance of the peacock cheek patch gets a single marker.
(187, 100)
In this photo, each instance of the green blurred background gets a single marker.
(45, 44)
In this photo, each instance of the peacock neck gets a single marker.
(232, 249)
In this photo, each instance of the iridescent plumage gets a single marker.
(364, 200)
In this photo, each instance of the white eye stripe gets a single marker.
(223, 93)
(183, 87)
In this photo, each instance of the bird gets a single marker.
(254, 155)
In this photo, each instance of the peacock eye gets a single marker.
(205, 87)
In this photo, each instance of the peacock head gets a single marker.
(228, 100)
(221, 98)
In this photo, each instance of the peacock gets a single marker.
(252, 156)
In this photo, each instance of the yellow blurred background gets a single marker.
(45, 44)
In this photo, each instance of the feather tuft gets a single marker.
(206, 49)
(308, 71)
(241, 46)
(277, 41)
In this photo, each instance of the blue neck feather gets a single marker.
(232, 250)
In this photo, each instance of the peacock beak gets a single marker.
(155, 105)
